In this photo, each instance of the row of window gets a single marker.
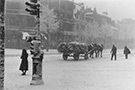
(21, 21)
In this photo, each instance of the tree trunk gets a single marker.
(48, 40)
(2, 35)
(104, 42)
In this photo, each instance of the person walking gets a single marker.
(24, 62)
(126, 52)
(113, 52)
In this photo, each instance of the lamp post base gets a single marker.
(37, 72)
(36, 81)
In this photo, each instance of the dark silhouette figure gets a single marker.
(91, 50)
(99, 50)
(24, 62)
(126, 52)
(113, 52)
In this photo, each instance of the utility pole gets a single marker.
(2, 35)
(35, 44)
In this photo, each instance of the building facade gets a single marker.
(17, 21)
(64, 11)
(72, 16)
(101, 19)
(104, 26)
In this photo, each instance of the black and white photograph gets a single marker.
(67, 44)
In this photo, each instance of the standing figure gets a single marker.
(24, 62)
(126, 52)
(113, 52)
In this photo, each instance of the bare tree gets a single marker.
(105, 31)
(90, 31)
(48, 21)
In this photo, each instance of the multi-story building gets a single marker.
(17, 18)
(64, 11)
(17, 21)
(80, 21)
(72, 16)
(101, 19)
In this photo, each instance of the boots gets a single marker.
(24, 73)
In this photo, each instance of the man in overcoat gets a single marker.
(113, 52)
(126, 52)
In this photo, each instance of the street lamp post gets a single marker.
(37, 62)
(35, 44)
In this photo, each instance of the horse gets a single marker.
(98, 50)
(91, 50)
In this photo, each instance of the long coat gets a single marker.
(24, 62)
(126, 51)
(114, 50)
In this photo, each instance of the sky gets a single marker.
(117, 9)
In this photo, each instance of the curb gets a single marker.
(14, 55)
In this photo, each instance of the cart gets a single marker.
(73, 49)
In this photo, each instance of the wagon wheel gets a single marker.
(65, 56)
(85, 56)
(76, 56)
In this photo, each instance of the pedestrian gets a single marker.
(24, 62)
(113, 52)
(126, 52)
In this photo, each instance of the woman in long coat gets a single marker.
(24, 62)
(126, 52)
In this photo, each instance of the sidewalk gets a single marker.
(17, 52)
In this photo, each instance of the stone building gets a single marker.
(72, 16)
(91, 16)
(17, 21)
(64, 11)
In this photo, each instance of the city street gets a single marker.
(69, 27)
(58, 74)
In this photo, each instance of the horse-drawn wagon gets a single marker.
(73, 49)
